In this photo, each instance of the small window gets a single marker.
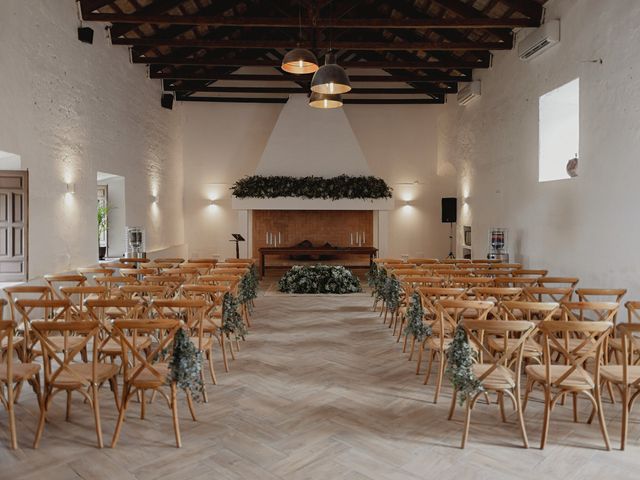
(559, 131)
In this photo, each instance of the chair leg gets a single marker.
(211, 369)
(192, 410)
(124, 403)
(96, 413)
(501, 404)
(575, 407)
(467, 422)
(452, 407)
(547, 413)
(625, 417)
(443, 358)
(40, 429)
(224, 353)
(68, 412)
(113, 382)
(413, 346)
(523, 428)
(143, 398)
(12, 418)
(603, 425)
(174, 414)
(428, 374)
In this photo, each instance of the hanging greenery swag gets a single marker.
(392, 293)
(185, 365)
(232, 323)
(334, 188)
(460, 359)
(376, 278)
(415, 326)
(248, 288)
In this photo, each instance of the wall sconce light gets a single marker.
(154, 199)
(71, 188)
(212, 201)
(407, 203)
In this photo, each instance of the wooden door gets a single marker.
(14, 225)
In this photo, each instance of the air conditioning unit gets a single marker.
(539, 40)
(469, 92)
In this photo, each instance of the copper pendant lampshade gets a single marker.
(299, 61)
(325, 101)
(330, 78)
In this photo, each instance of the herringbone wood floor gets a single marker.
(319, 391)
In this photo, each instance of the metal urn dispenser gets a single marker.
(135, 242)
(498, 244)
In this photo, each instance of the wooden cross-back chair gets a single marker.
(50, 310)
(497, 371)
(34, 292)
(143, 292)
(78, 295)
(116, 265)
(530, 272)
(558, 282)
(252, 261)
(92, 272)
(171, 283)
(448, 314)
(382, 261)
(113, 283)
(484, 272)
(58, 281)
(496, 295)
(190, 274)
(105, 311)
(423, 281)
(134, 261)
(535, 312)
(626, 374)
(231, 281)
(149, 371)
(171, 260)
(63, 374)
(202, 268)
(506, 266)
(547, 294)
(602, 294)
(192, 311)
(570, 376)
(520, 282)
(13, 375)
(470, 282)
(615, 344)
(138, 273)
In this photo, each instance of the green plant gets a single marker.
(319, 279)
(415, 326)
(248, 288)
(391, 293)
(460, 359)
(103, 218)
(343, 186)
(232, 323)
(185, 365)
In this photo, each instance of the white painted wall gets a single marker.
(399, 143)
(70, 109)
(584, 226)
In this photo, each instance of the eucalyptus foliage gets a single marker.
(248, 288)
(334, 188)
(319, 279)
(232, 322)
(376, 278)
(415, 326)
(392, 293)
(185, 365)
(460, 359)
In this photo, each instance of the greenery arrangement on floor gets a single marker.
(319, 279)
(185, 365)
(460, 359)
(334, 188)
(415, 326)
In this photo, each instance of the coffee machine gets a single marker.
(498, 244)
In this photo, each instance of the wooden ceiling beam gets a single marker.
(287, 44)
(435, 78)
(154, 8)
(483, 62)
(292, 90)
(268, 22)
(88, 6)
(530, 8)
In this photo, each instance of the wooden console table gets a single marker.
(371, 252)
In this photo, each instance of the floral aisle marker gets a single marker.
(185, 365)
(232, 323)
(248, 288)
(392, 295)
(319, 279)
(416, 328)
(460, 359)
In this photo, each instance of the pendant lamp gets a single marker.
(325, 101)
(330, 78)
(299, 61)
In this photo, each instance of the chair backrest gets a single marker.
(628, 333)
(172, 260)
(58, 281)
(497, 294)
(36, 292)
(558, 282)
(529, 272)
(135, 272)
(133, 260)
(530, 311)
(574, 354)
(589, 311)
(450, 312)
(57, 361)
(399, 266)
(429, 296)
(78, 295)
(515, 281)
(633, 311)
(144, 292)
(470, 282)
(105, 310)
(547, 294)
(423, 281)
(172, 283)
(128, 332)
(423, 261)
(92, 272)
(510, 356)
(232, 281)
(6, 352)
(601, 294)
(506, 266)
(112, 282)
(252, 261)
(191, 311)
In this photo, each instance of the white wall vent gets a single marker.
(540, 40)
(469, 92)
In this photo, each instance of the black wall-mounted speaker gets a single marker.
(449, 210)
(167, 100)
(85, 35)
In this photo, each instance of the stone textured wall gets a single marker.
(70, 109)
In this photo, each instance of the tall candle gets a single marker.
(267, 239)
(351, 239)
(279, 239)
(363, 240)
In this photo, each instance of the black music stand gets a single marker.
(237, 238)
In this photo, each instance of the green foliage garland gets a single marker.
(460, 358)
(376, 279)
(415, 326)
(319, 279)
(185, 365)
(334, 188)
(232, 323)
(392, 293)
(248, 288)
